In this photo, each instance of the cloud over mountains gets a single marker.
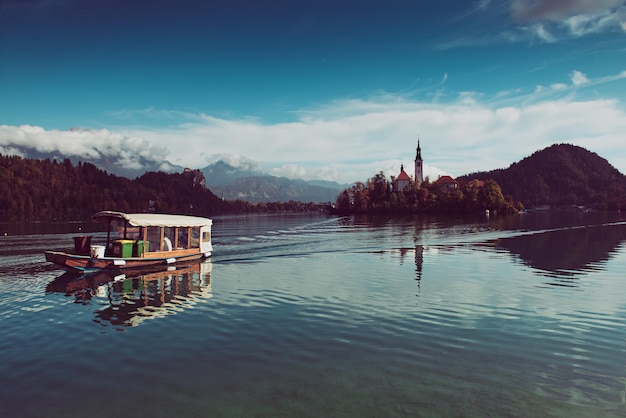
(352, 139)
(120, 152)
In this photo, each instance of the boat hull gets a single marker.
(87, 263)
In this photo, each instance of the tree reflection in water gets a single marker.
(565, 254)
(562, 254)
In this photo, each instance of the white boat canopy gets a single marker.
(153, 219)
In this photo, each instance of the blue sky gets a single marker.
(338, 90)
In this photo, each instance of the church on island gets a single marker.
(404, 180)
(417, 194)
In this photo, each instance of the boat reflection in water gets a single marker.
(129, 299)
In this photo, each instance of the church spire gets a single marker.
(419, 169)
(418, 155)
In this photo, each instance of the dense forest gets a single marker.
(379, 195)
(38, 190)
(561, 175)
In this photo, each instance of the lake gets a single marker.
(311, 315)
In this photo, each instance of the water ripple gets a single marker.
(337, 316)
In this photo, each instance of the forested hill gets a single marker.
(33, 189)
(561, 175)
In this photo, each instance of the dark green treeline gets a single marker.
(44, 190)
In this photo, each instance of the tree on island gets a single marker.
(378, 195)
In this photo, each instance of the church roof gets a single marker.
(403, 175)
(445, 180)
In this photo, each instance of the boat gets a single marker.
(144, 241)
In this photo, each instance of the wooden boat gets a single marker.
(148, 240)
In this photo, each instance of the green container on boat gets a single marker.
(139, 246)
(123, 248)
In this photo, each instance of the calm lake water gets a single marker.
(300, 315)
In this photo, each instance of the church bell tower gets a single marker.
(419, 169)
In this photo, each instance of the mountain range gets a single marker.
(229, 176)
(252, 185)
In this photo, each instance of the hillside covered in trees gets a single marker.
(39, 190)
(561, 175)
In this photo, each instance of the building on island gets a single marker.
(419, 168)
(446, 183)
(403, 179)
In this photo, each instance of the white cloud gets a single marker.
(581, 25)
(558, 86)
(531, 21)
(131, 152)
(8, 150)
(559, 9)
(551, 21)
(547, 21)
(353, 140)
(327, 173)
(236, 160)
(578, 78)
(540, 31)
(350, 140)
